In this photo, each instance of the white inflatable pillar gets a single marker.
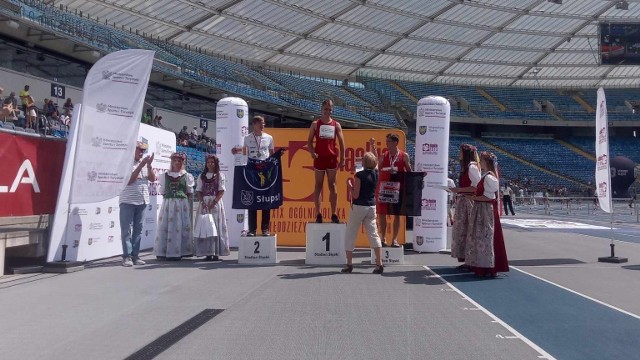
(432, 156)
(232, 125)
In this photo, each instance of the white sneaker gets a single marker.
(127, 262)
(137, 261)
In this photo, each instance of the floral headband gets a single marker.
(179, 155)
(489, 155)
(210, 156)
(468, 147)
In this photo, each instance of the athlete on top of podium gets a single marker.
(325, 130)
(363, 212)
(390, 163)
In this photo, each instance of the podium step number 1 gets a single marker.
(257, 250)
(325, 244)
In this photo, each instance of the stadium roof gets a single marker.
(531, 43)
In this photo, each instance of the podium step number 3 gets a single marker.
(325, 244)
(390, 256)
(257, 250)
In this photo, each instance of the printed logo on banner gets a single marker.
(92, 175)
(76, 243)
(78, 227)
(96, 141)
(602, 189)
(602, 108)
(240, 218)
(163, 150)
(115, 110)
(602, 136)
(429, 204)
(110, 239)
(98, 210)
(602, 162)
(260, 178)
(240, 113)
(90, 241)
(420, 111)
(95, 226)
(246, 197)
(149, 207)
(422, 129)
(419, 240)
(146, 232)
(120, 77)
(112, 224)
(109, 210)
(244, 130)
(416, 222)
(429, 149)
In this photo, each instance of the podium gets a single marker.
(325, 244)
(258, 250)
(390, 256)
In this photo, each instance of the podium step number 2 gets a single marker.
(257, 250)
(325, 244)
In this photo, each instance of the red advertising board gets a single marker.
(30, 175)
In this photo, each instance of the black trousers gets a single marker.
(506, 200)
(253, 220)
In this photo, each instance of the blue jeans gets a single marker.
(130, 213)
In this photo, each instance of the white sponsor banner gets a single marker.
(603, 175)
(232, 125)
(432, 154)
(113, 97)
(92, 230)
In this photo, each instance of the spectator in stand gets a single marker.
(51, 110)
(30, 113)
(183, 136)
(10, 108)
(68, 105)
(159, 123)
(194, 132)
(24, 98)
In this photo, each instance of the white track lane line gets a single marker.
(543, 354)
(577, 293)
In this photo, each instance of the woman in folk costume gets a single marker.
(486, 254)
(211, 236)
(467, 182)
(175, 231)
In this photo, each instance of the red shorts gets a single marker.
(325, 163)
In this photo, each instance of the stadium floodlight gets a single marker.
(559, 2)
(622, 5)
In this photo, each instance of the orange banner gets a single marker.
(289, 221)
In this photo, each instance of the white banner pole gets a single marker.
(432, 156)
(232, 125)
(603, 169)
